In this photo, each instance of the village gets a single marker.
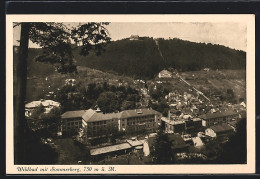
(193, 121)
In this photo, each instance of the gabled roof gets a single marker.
(73, 114)
(217, 114)
(109, 149)
(221, 128)
(165, 72)
(138, 112)
(173, 122)
(88, 114)
(91, 116)
(134, 143)
(45, 103)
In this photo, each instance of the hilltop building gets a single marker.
(165, 74)
(134, 37)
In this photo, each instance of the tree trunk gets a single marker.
(19, 97)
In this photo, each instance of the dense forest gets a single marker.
(141, 58)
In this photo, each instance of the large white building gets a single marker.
(47, 104)
(96, 124)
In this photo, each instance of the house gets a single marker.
(70, 82)
(206, 69)
(211, 119)
(165, 74)
(217, 130)
(197, 141)
(47, 104)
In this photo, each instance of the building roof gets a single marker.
(138, 112)
(134, 143)
(173, 122)
(217, 114)
(221, 128)
(91, 115)
(197, 141)
(73, 114)
(165, 73)
(102, 117)
(196, 119)
(88, 114)
(109, 149)
(45, 103)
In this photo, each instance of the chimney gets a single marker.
(98, 110)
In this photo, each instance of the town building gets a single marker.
(211, 119)
(173, 125)
(47, 104)
(197, 141)
(180, 123)
(70, 82)
(218, 130)
(192, 124)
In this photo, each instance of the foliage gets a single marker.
(36, 152)
(235, 150)
(141, 58)
(51, 120)
(55, 40)
(161, 107)
(108, 102)
(230, 96)
(162, 152)
(108, 97)
(38, 111)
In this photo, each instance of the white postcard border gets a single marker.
(136, 169)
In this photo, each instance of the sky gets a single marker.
(230, 34)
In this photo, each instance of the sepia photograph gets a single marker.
(119, 93)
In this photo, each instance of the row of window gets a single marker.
(73, 123)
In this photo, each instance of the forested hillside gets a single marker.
(141, 58)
